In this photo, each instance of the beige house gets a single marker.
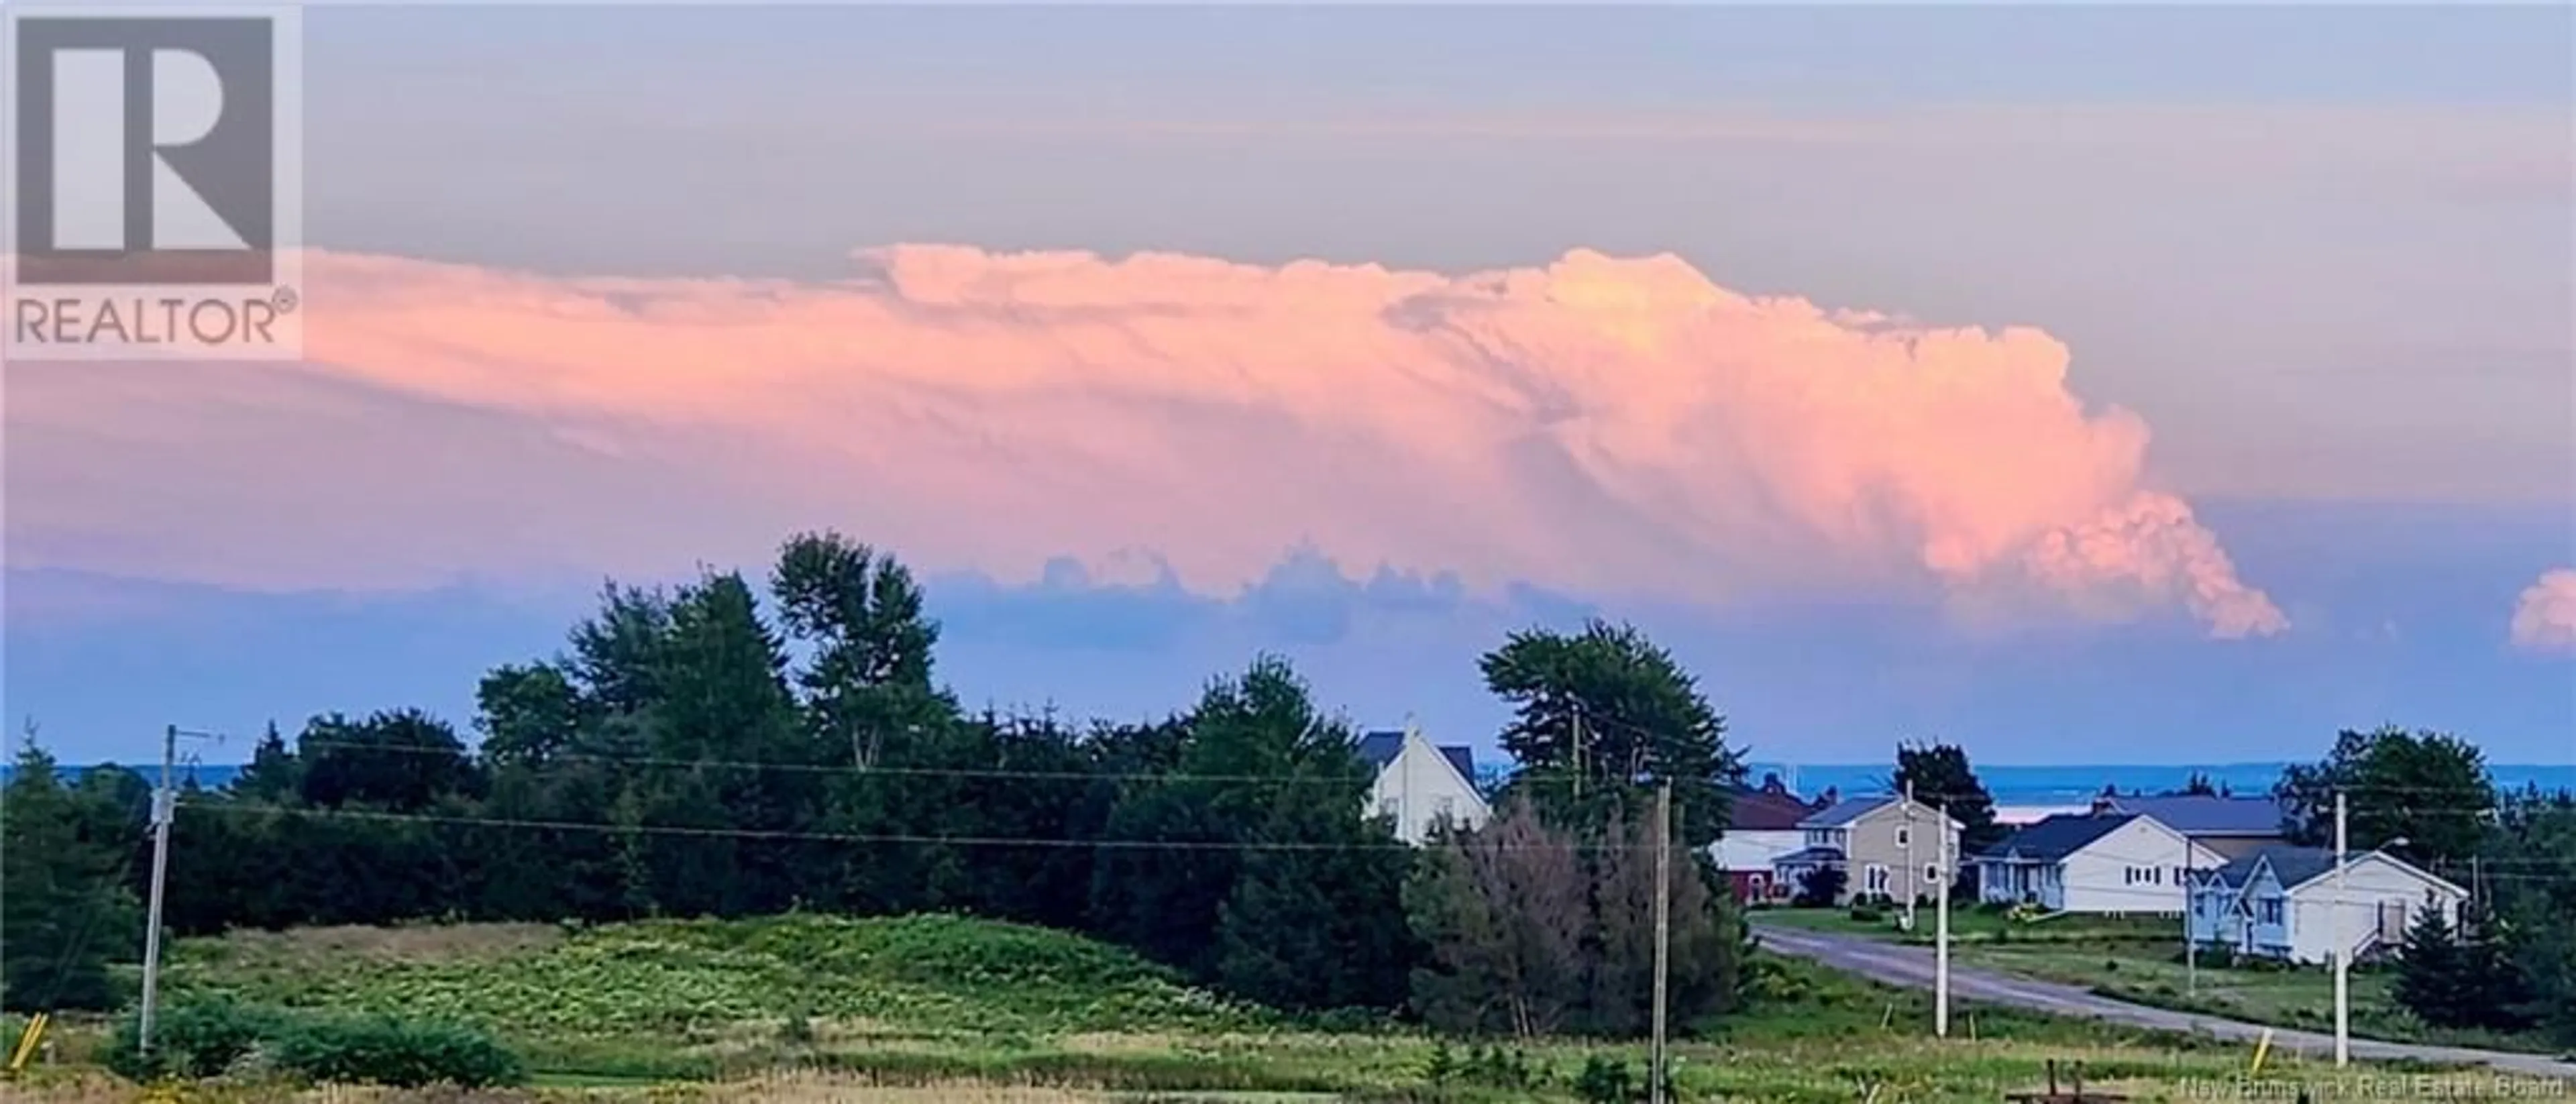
(1886, 847)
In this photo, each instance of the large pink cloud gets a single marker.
(2544, 620)
(1600, 425)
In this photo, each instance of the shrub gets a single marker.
(193, 1039)
(383, 1050)
(209, 1038)
(1865, 913)
(1605, 1080)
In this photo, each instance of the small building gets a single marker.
(2281, 902)
(1761, 826)
(1419, 785)
(2232, 826)
(2101, 863)
(1885, 846)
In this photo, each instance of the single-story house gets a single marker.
(1884, 845)
(1419, 785)
(2232, 826)
(2104, 863)
(2280, 903)
(1761, 826)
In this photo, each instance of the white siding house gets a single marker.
(2109, 864)
(1761, 828)
(1419, 785)
(2280, 902)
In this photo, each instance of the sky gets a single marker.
(2082, 385)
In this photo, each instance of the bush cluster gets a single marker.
(213, 1038)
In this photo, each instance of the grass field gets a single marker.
(931, 1008)
(2139, 959)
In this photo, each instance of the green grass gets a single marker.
(1976, 925)
(2138, 959)
(932, 1003)
(922, 975)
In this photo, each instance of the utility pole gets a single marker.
(1578, 751)
(165, 807)
(2342, 953)
(2190, 913)
(1941, 937)
(1908, 849)
(1663, 930)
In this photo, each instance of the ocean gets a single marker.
(2074, 785)
(2016, 786)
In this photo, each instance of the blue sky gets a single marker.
(2323, 254)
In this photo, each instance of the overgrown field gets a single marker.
(892, 1011)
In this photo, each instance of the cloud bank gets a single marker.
(1599, 426)
(2544, 620)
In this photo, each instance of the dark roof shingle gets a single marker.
(2294, 866)
(2203, 815)
(1765, 811)
(1379, 748)
(2053, 838)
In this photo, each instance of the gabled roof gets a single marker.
(2052, 839)
(1843, 813)
(2297, 866)
(2205, 815)
(1380, 748)
(2291, 865)
(1755, 810)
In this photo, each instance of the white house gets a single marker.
(2280, 902)
(1761, 828)
(2110, 863)
(1419, 785)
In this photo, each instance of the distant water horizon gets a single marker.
(2010, 784)
(2074, 784)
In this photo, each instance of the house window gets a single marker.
(1876, 879)
(1932, 873)
(1904, 838)
(2272, 911)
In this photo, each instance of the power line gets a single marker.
(1312, 779)
(853, 769)
(786, 835)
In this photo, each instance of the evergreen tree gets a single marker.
(2496, 992)
(2431, 980)
(399, 761)
(1283, 891)
(2429, 788)
(274, 773)
(1603, 716)
(1500, 912)
(67, 913)
(1942, 778)
(528, 714)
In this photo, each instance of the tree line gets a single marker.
(726, 748)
